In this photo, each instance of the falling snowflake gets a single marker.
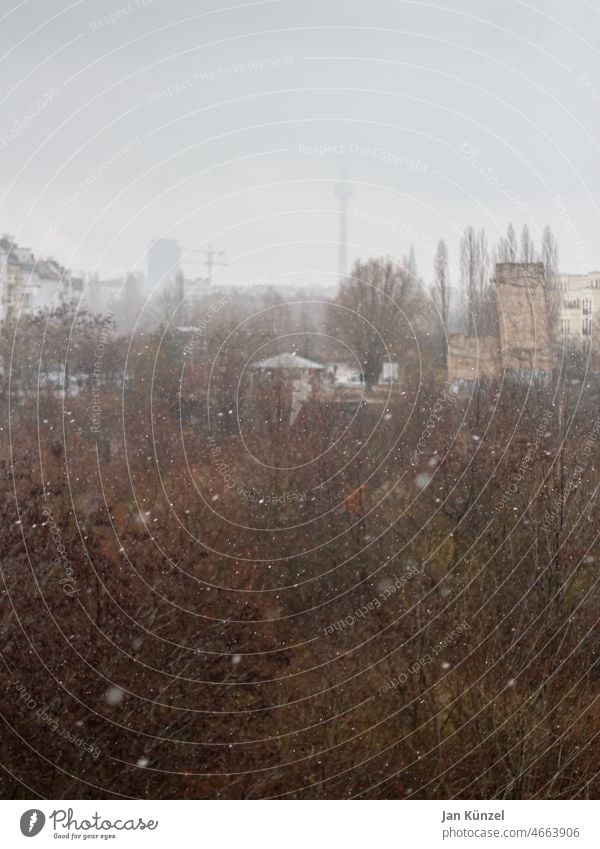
(114, 696)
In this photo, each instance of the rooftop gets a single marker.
(290, 360)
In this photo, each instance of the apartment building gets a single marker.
(33, 286)
(580, 304)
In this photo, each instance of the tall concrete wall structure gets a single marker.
(523, 318)
(523, 346)
(473, 357)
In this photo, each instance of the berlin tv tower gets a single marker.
(343, 192)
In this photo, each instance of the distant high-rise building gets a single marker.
(343, 192)
(164, 263)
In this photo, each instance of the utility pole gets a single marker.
(210, 261)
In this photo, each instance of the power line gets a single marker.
(210, 262)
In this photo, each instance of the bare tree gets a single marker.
(549, 256)
(483, 264)
(370, 310)
(474, 270)
(410, 263)
(469, 275)
(488, 306)
(441, 287)
(511, 243)
(507, 246)
(527, 246)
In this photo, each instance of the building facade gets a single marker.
(31, 286)
(164, 263)
(523, 346)
(580, 297)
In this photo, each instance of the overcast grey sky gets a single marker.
(197, 120)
